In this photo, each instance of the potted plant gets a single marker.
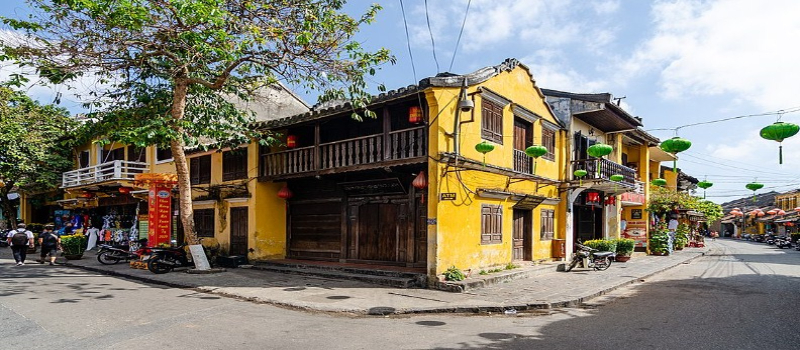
(681, 237)
(624, 249)
(659, 240)
(603, 245)
(73, 246)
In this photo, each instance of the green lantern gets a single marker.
(580, 173)
(754, 186)
(704, 185)
(674, 146)
(616, 178)
(599, 150)
(659, 182)
(778, 132)
(534, 152)
(484, 147)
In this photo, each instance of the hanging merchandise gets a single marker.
(659, 182)
(675, 145)
(484, 147)
(580, 173)
(535, 152)
(754, 186)
(779, 131)
(420, 183)
(704, 185)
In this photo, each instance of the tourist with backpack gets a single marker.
(50, 243)
(20, 239)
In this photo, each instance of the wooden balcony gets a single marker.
(602, 169)
(117, 170)
(373, 151)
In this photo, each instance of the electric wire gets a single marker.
(778, 113)
(411, 55)
(433, 43)
(458, 41)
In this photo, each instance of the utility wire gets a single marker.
(778, 113)
(458, 42)
(408, 42)
(433, 44)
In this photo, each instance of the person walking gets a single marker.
(50, 243)
(19, 240)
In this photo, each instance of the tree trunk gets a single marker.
(9, 209)
(181, 165)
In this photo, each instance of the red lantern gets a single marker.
(790, 224)
(772, 212)
(285, 193)
(414, 114)
(124, 190)
(291, 141)
(592, 198)
(87, 195)
(611, 200)
(420, 182)
(781, 212)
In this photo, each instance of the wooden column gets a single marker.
(317, 158)
(387, 126)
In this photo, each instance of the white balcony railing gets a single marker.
(108, 171)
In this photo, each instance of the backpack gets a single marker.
(20, 238)
(49, 239)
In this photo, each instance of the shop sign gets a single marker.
(637, 231)
(159, 218)
(448, 196)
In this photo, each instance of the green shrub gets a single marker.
(603, 245)
(625, 246)
(454, 274)
(659, 239)
(511, 266)
(73, 244)
(483, 272)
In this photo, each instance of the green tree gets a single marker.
(35, 147)
(663, 200)
(158, 56)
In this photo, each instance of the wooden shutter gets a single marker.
(234, 165)
(204, 222)
(200, 170)
(548, 224)
(491, 121)
(491, 224)
(549, 142)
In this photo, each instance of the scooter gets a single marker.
(590, 258)
(112, 254)
(783, 242)
(163, 260)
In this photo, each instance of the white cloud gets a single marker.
(738, 47)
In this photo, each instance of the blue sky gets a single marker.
(676, 62)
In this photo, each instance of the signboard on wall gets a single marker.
(636, 230)
(636, 214)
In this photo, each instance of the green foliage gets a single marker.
(625, 246)
(663, 200)
(35, 145)
(454, 274)
(511, 266)
(659, 239)
(483, 273)
(603, 245)
(73, 244)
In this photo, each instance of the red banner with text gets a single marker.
(159, 215)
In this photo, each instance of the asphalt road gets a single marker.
(741, 296)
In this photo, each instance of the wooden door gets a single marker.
(380, 232)
(239, 228)
(522, 246)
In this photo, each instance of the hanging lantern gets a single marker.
(772, 212)
(760, 214)
(704, 185)
(790, 224)
(291, 141)
(754, 186)
(420, 182)
(611, 200)
(534, 152)
(124, 190)
(592, 198)
(87, 195)
(580, 173)
(414, 115)
(659, 182)
(285, 193)
(779, 131)
(599, 150)
(674, 146)
(797, 209)
(781, 212)
(484, 147)
(616, 178)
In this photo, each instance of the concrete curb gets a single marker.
(383, 311)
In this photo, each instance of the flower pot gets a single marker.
(73, 256)
(622, 258)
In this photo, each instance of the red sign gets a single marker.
(160, 212)
(637, 231)
(631, 197)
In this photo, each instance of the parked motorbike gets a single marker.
(163, 260)
(112, 254)
(783, 242)
(590, 258)
(770, 239)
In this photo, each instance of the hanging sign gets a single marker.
(447, 196)
(159, 210)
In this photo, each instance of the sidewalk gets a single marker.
(543, 288)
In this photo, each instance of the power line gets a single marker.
(463, 23)
(433, 44)
(778, 113)
(705, 161)
(408, 42)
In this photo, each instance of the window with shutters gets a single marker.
(491, 224)
(548, 224)
(491, 121)
(163, 154)
(549, 142)
(234, 165)
(200, 170)
(204, 222)
(137, 154)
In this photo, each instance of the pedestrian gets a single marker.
(50, 244)
(19, 240)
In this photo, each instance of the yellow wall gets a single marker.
(455, 238)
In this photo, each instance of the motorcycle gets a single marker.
(590, 258)
(163, 260)
(783, 242)
(770, 239)
(112, 254)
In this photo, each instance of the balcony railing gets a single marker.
(522, 162)
(360, 151)
(108, 171)
(602, 169)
